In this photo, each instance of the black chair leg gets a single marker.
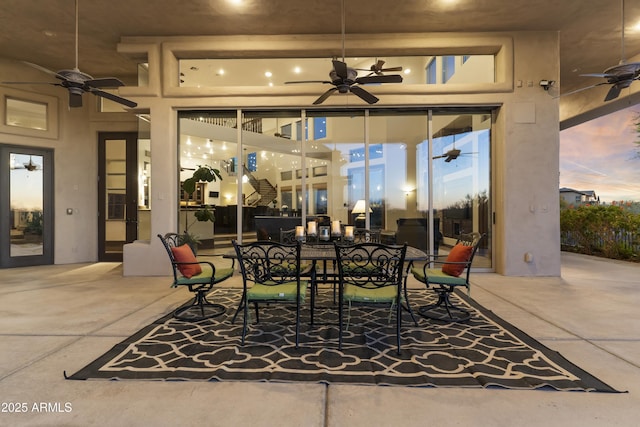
(443, 309)
(240, 307)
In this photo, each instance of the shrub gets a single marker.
(608, 231)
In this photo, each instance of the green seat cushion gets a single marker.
(436, 276)
(281, 292)
(357, 294)
(205, 276)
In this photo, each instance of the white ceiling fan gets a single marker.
(77, 82)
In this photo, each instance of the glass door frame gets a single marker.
(46, 258)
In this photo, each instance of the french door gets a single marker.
(117, 193)
(26, 206)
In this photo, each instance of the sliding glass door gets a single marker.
(417, 176)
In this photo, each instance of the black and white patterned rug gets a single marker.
(485, 351)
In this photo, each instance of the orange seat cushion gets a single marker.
(185, 254)
(459, 253)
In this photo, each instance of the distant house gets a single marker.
(576, 197)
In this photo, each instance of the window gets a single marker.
(285, 131)
(252, 162)
(431, 72)
(448, 67)
(299, 131)
(26, 114)
(319, 127)
(286, 175)
(357, 154)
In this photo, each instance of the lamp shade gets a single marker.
(359, 207)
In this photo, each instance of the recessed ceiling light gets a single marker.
(407, 71)
(268, 74)
(297, 70)
(221, 72)
(271, 84)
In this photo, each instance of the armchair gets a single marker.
(198, 276)
(444, 280)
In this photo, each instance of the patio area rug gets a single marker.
(485, 351)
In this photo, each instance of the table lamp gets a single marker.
(359, 209)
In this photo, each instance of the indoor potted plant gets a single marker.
(204, 173)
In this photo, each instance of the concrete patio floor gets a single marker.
(57, 318)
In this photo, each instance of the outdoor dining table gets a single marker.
(325, 252)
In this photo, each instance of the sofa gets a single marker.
(413, 231)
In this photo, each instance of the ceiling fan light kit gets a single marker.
(77, 83)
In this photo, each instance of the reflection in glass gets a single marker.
(461, 184)
(26, 201)
(26, 114)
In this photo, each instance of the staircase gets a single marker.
(264, 192)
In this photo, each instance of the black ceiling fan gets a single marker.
(449, 155)
(345, 79)
(28, 166)
(619, 76)
(77, 82)
(378, 68)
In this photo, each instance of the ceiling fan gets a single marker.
(345, 79)
(28, 166)
(77, 82)
(619, 76)
(452, 154)
(378, 68)
(449, 155)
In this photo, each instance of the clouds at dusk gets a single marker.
(600, 155)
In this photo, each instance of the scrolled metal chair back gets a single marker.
(370, 265)
(269, 263)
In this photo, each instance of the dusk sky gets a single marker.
(600, 155)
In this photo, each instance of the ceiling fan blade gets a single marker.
(104, 82)
(394, 78)
(75, 100)
(30, 83)
(115, 98)
(364, 95)
(45, 70)
(340, 68)
(324, 96)
(307, 81)
(448, 159)
(581, 89)
(440, 157)
(392, 69)
(613, 93)
(604, 75)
